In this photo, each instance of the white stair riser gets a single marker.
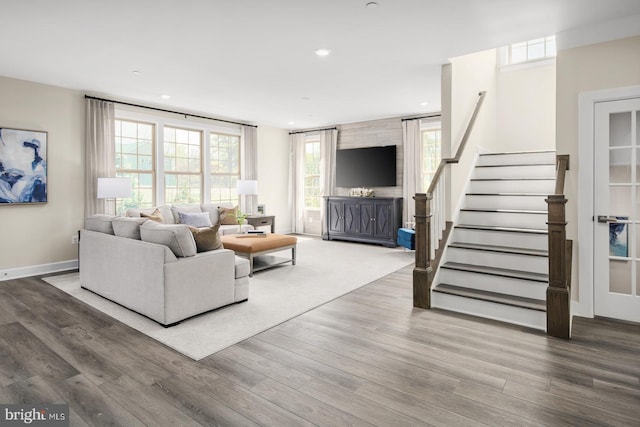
(520, 171)
(504, 219)
(498, 238)
(532, 264)
(506, 202)
(505, 313)
(543, 186)
(517, 158)
(487, 282)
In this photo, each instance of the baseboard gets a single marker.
(35, 270)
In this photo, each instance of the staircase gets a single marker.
(496, 262)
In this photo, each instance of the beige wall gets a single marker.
(526, 107)
(34, 235)
(588, 68)
(273, 175)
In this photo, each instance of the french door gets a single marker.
(617, 209)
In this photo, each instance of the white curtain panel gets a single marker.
(296, 182)
(249, 170)
(328, 146)
(100, 151)
(412, 176)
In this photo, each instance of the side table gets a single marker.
(262, 220)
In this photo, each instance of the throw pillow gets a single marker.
(207, 239)
(228, 215)
(183, 208)
(200, 219)
(153, 216)
(99, 222)
(128, 227)
(176, 236)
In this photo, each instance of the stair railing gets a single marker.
(432, 228)
(560, 256)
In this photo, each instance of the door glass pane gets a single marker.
(620, 276)
(620, 129)
(620, 165)
(620, 202)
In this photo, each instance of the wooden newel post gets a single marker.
(558, 292)
(423, 272)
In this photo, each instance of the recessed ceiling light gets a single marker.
(136, 72)
(165, 96)
(323, 52)
(371, 5)
(424, 104)
(292, 123)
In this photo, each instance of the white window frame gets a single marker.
(311, 138)
(428, 126)
(504, 57)
(161, 120)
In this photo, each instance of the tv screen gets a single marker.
(366, 167)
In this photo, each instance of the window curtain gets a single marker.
(328, 145)
(412, 177)
(100, 151)
(249, 135)
(296, 182)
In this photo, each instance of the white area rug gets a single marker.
(324, 271)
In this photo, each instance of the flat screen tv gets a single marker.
(366, 167)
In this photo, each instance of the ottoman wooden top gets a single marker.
(257, 244)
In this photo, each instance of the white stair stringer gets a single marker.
(495, 264)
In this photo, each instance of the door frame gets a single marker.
(587, 101)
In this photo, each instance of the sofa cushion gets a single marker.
(228, 215)
(177, 237)
(243, 267)
(128, 227)
(207, 239)
(153, 216)
(200, 219)
(183, 208)
(100, 222)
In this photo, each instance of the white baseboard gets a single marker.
(34, 270)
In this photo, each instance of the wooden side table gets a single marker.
(262, 220)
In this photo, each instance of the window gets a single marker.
(312, 174)
(134, 159)
(182, 166)
(531, 50)
(224, 159)
(431, 155)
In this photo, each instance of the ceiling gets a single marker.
(254, 60)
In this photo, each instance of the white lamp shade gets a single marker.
(247, 186)
(113, 188)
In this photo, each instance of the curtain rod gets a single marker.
(168, 111)
(312, 130)
(422, 117)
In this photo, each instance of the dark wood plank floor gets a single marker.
(367, 358)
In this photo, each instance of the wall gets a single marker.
(526, 106)
(37, 238)
(588, 68)
(273, 175)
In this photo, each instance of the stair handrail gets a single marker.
(560, 257)
(430, 221)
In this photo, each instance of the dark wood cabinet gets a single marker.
(363, 219)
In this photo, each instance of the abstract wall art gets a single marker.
(619, 238)
(23, 166)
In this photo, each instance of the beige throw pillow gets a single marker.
(153, 216)
(228, 215)
(207, 239)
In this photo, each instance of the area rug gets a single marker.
(325, 270)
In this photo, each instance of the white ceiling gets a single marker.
(254, 61)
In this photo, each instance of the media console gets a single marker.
(363, 219)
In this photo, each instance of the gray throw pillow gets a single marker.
(200, 219)
(100, 222)
(177, 237)
(128, 227)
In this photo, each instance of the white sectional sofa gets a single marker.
(158, 274)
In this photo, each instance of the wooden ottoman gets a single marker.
(249, 247)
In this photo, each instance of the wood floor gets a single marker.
(367, 358)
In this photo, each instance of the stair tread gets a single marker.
(505, 229)
(508, 194)
(519, 211)
(528, 303)
(496, 271)
(502, 249)
(515, 165)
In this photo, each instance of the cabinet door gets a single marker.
(336, 216)
(351, 217)
(367, 218)
(383, 224)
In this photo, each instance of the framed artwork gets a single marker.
(23, 166)
(261, 210)
(619, 238)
